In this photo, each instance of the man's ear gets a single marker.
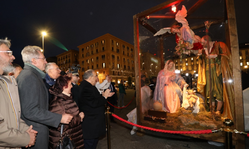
(33, 61)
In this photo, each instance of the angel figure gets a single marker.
(187, 41)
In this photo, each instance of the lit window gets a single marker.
(192, 58)
(118, 66)
(186, 59)
(240, 57)
(103, 65)
(247, 63)
(117, 43)
(103, 41)
(241, 64)
(186, 64)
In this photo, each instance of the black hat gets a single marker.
(75, 73)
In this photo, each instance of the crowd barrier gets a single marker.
(123, 106)
(227, 130)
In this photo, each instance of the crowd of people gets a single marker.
(40, 104)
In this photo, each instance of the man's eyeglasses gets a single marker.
(41, 58)
(10, 53)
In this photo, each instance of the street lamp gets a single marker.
(43, 34)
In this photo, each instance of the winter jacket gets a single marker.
(64, 104)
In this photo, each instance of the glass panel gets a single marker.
(184, 74)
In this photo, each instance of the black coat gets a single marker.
(75, 93)
(93, 105)
(34, 101)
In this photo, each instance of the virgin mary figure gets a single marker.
(169, 87)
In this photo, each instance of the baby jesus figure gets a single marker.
(190, 100)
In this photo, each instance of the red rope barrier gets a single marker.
(165, 131)
(247, 134)
(121, 107)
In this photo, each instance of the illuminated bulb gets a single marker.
(173, 8)
(44, 33)
(186, 74)
(230, 81)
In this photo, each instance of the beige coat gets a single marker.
(12, 129)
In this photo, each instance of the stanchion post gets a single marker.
(108, 128)
(228, 135)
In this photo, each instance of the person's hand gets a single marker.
(82, 115)
(211, 56)
(32, 135)
(186, 85)
(107, 93)
(66, 118)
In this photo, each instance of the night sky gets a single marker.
(74, 22)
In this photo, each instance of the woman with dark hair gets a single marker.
(63, 103)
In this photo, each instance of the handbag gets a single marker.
(65, 142)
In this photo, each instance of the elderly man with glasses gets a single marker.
(92, 103)
(14, 132)
(34, 96)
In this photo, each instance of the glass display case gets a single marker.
(187, 66)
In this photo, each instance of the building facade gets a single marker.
(107, 55)
(244, 58)
(150, 64)
(67, 59)
(190, 63)
(187, 65)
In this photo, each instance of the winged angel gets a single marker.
(187, 41)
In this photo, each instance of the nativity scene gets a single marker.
(194, 87)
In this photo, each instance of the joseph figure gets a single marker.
(221, 73)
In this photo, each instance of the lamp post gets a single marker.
(43, 34)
